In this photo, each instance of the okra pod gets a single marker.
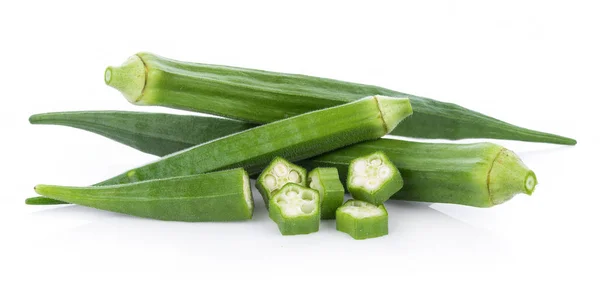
(295, 138)
(295, 209)
(432, 172)
(362, 220)
(263, 97)
(216, 196)
(277, 174)
(326, 181)
(373, 178)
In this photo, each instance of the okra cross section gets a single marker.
(276, 175)
(373, 178)
(295, 209)
(326, 181)
(362, 220)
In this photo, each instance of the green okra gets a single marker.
(432, 172)
(362, 220)
(373, 178)
(277, 174)
(216, 196)
(295, 209)
(326, 181)
(263, 97)
(153, 133)
(295, 138)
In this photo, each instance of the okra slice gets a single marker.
(276, 175)
(326, 181)
(362, 220)
(373, 178)
(295, 209)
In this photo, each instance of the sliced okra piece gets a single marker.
(373, 178)
(362, 220)
(326, 181)
(277, 174)
(295, 209)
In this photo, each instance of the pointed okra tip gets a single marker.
(129, 78)
(393, 110)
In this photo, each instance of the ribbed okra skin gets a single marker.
(263, 97)
(326, 181)
(479, 174)
(432, 172)
(217, 196)
(362, 220)
(277, 174)
(295, 209)
(373, 178)
(295, 138)
(153, 133)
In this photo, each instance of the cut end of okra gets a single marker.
(295, 209)
(326, 181)
(129, 78)
(393, 110)
(362, 220)
(509, 176)
(373, 178)
(276, 175)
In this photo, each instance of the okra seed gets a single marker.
(280, 169)
(271, 182)
(358, 180)
(294, 176)
(291, 194)
(376, 162)
(314, 184)
(384, 172)
(360, 167)
(281, 200)
(307, 207)
(372, 183)
(307, 196)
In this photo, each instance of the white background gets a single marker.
(532, 63)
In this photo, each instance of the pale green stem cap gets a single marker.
(393, 110)
(509, 176)
(129, 78)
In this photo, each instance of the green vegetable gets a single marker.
(295, 209)
(362, 220)
(217, 196)
(158, 134)
(295, 138)
(373, 178)
(432, 172)
(276, 175)
(327, 182)
(479, 175)
(263, 97)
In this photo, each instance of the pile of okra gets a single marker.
(308, 141)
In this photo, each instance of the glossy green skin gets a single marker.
(432, 172)
(385, 191)
(295, 138)
(263, 97)
(302, 224)
(260, 181)
(217, 196)
(153, 133)
(332, 194)
(362, 228)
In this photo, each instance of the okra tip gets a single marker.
(393, 110)
(129, 78)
